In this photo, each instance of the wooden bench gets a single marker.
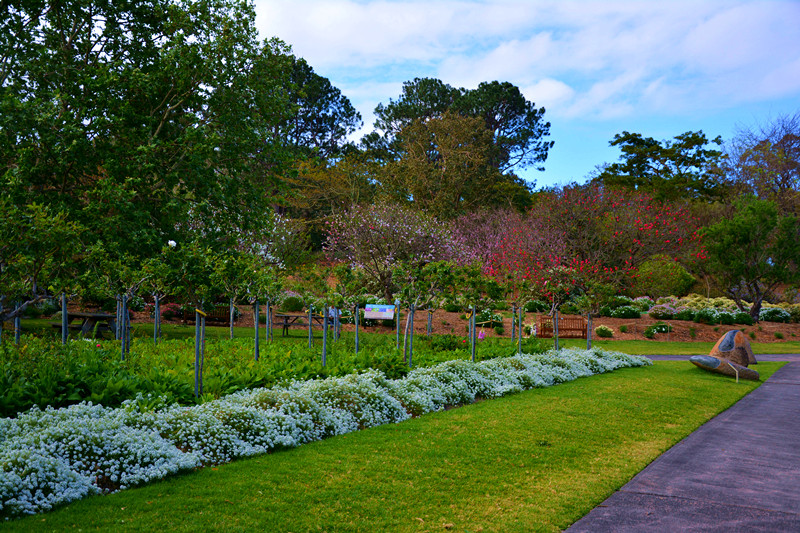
(568, 328)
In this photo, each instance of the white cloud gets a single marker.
(594, 59)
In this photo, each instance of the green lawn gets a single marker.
(534, 461)
(679, 348)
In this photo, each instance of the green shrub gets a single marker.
(604, 332)
(658, 327)
(625, 311)
(501, 306)
(725, 318)
(743, 318)
(537, 306)
(499, 330)
(778, 335)
(570, 309)
(685, 314)
(623, 329)
(752, 335)
(661, 275)
(452, 307)
(643, 303)
(774, 314)
(292, 304)
(32, 311)
(707, 316)
(692, 333)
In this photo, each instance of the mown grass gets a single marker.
(636, 347)
(534, 461)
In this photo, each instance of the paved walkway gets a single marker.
(738, 472)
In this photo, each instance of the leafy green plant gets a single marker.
(693, 333)
(707, 316)
(625, 311)
(604, 332)
(499, 330)
(778, 335)
(623, 328)
(752, 335)
(743, 318)
(658, 327)
(292, 304)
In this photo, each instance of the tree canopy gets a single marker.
(683, 168)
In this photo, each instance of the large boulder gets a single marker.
(734, 347)
(724, 366)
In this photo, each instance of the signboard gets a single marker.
(379, 312)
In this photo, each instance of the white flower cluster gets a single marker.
(53, 456)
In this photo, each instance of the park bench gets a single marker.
(568, 327)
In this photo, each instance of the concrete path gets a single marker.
(738, 472)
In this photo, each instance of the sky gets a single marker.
(659, 68)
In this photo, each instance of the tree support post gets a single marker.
(324, 335)
(17, 324)
(64, 319)
(255, 315)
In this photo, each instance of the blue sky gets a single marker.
(659, 68)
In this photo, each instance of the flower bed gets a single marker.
(54, 456)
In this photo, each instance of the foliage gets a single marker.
(659, 327)
(604, 332)
(765, 161)
(322, 117)
(128, 117)
(707, 315)
(39, 249)
(774, 314)
(517, 125)
(660, 275)
(743, 318)
(445, 167)
(668, 170)
(753, 250)
(292, 304)
(625, 311)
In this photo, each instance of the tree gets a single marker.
(765, 161)
(323, 117)
(39, 251)
(752, 251)
(380, 237)
(127, 116)
(517, 126)
(445, 167)
(667, 170)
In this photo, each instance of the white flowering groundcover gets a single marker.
(53, 456)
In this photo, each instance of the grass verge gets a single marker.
(637, 347)
(534, 461)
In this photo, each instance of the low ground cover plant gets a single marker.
(53, 456)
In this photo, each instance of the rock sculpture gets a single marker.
(730, 356)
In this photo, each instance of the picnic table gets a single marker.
(90, 322)
(287, 320)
